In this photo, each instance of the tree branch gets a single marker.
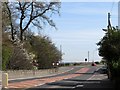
(31, 18)
(12, 28)
(22, 17)
(36, 16)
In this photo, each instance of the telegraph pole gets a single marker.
(61, 48)
(61, 52)
(109, 23)
(109, 27)
(88, 56)
(119, 15)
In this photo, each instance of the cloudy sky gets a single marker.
(80, 28)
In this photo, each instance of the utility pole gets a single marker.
(118, 15)
(61, 48)
(61, 52)
(93, 56)
(88, 56)
(109, 27)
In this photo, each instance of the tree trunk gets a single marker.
(12, 35)
(21, 35)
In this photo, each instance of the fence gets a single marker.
(13, 74)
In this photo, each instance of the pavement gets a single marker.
(29, 74)
(90, 80)
(87, 78)
(32, 82)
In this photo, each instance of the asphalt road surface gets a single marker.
(78, 78)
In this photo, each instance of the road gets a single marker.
(79, 78)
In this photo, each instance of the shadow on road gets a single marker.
(78, 83)
(75, 84)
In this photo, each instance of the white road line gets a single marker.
(80, 85)
(91, 77)
(39, 84)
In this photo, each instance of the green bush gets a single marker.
(115, 69)
(6, 54)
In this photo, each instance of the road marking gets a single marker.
(79, 85)
(91, 77)
(63, 87)
(39, 82)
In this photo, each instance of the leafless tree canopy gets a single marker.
(37, 14)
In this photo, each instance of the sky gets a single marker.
(80, 27)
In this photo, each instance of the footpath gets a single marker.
(19, 75)
(28, 74)
(98, 82)
(91, 80)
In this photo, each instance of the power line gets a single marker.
(112, 7)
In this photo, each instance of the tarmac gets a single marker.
(88, 81)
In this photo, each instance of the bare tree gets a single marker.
(34, 13)
(10, 19)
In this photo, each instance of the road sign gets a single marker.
(85, 59)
